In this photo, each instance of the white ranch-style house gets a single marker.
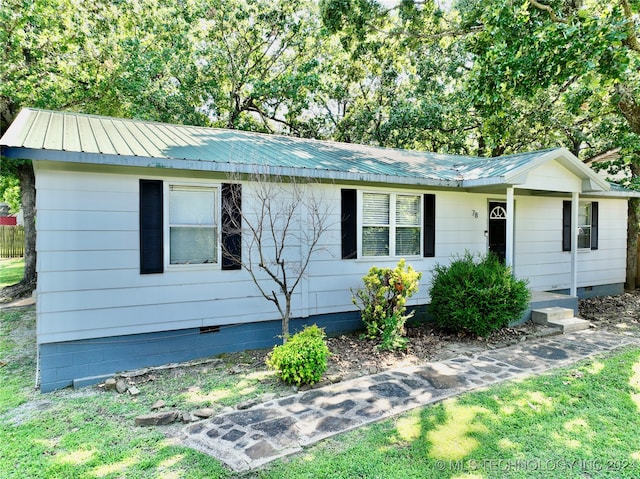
(131, 271)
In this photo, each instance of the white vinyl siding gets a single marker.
(90, 286)
(538, 249)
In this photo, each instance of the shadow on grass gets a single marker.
(50, 448)
(89, 433)
(578, 422)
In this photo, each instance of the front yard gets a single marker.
(577, 422)
(11, 271)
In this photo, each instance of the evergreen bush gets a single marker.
(477, 296)
(303, 358)
(382, 303)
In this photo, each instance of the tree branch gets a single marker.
(628, 107)
(632, 40)
(607, 155)
(453, 33)
(549, 10)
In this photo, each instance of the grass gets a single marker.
(577, 422)
(11, 271)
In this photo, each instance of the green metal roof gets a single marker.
(73, 137)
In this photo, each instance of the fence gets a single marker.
(11, 241)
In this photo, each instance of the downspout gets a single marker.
(575, 198)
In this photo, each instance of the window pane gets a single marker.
(584, 214)
(408, 210)
(407, 241)
(191, 206)
(192, 245)
(375, 241)
(584, 237)
(375, 209)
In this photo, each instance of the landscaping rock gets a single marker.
(134, 391)
(136, 373)
(157, 419)
(121, 386)
(238, 369)
(110, 384)
(159, 404)
(321, 384)
(187, 418)
(248, 404)
(204, 412)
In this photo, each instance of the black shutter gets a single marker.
(349, 223)
(594, 225)
(231, 226)
(151, 227)
(566, 226)
(429, 225)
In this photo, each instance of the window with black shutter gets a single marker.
(231, 219)
(349, 223)
(429, 226)
(392, 224)
(566, 226)
(587, 225)
(151, 227)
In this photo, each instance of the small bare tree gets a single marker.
(271, 231)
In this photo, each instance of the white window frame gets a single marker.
(393, 194)
(582, 226)
(215, 189)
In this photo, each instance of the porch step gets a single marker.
(560, 318)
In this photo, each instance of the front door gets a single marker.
(498, 228)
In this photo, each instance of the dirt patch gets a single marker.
(353, 356)
(26, 411)
(612, 311)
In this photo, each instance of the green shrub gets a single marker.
(478, 297)
(303, 358)
(382, 303)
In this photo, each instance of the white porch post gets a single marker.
(508, 253)
(575, 198)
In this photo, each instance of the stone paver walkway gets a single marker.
(248, 439)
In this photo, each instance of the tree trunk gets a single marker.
(28, 197)
(285, 319)
(630, 109)
(25, 174)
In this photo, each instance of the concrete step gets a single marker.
(545, 315)
(559, 318)
(570, 325)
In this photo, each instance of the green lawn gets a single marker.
(11, 271)
(577, 422)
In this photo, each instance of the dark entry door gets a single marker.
(498, 228)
